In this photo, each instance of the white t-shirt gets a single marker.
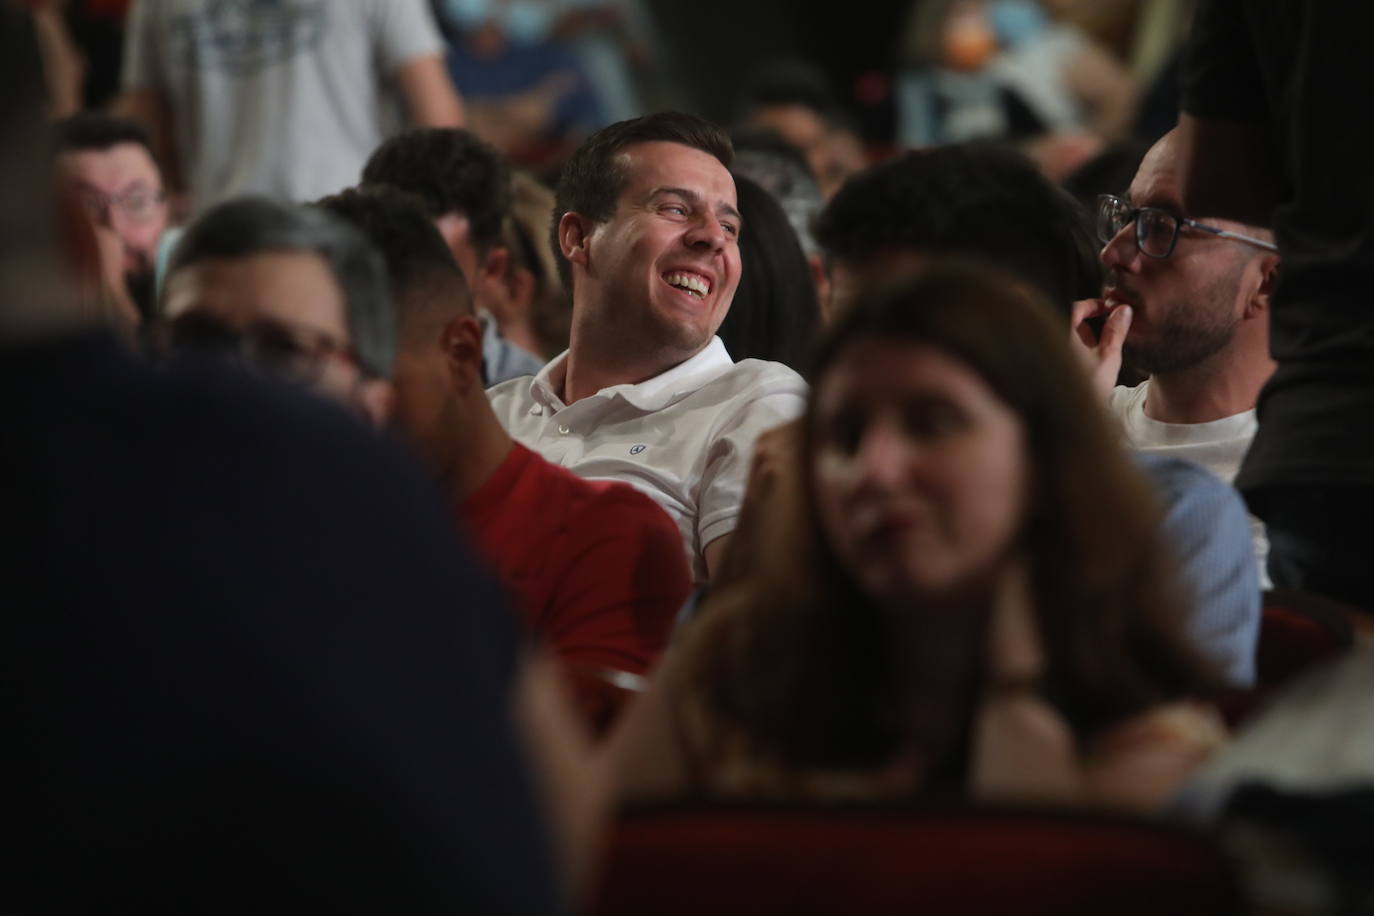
(1219, 446)
(286, 99)
(685, 437)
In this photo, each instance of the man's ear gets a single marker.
(1258, 302)
(461, 342)
(375, 398)
(573, 233)
(496, 262)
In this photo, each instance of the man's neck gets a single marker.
(484, 446)
(1220, 387)
(590, 369)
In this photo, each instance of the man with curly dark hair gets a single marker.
(464, 186)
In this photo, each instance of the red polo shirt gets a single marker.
(596, 568)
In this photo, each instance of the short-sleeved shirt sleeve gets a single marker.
(406, 31)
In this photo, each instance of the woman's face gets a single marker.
(920, 470)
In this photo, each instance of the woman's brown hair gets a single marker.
(795, 660)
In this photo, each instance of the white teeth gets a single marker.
(693, 284)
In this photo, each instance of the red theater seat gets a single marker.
(1298, 630)
(930, 860)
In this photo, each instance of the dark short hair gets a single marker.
(976, 200)
(418, 263)
(595, 176)
(775, 312)
(95, 130)
(245, 226)
(451, 170)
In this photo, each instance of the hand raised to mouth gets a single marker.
(1100, 356)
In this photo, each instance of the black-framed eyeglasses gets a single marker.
(1156, 229)
(291, 351)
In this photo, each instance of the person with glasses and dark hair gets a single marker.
(979, 201)
(1198, 291)
(289, 289)
(108, 163)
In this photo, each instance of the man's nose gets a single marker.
(1121, 250)
(707, 232)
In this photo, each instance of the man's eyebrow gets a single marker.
(694, 198)
(690, 196)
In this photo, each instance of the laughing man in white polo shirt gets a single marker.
(646, 224)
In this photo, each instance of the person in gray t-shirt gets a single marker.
(286, 98)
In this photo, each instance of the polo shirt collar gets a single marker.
(650, 395)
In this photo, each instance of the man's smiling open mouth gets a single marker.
(692, 283)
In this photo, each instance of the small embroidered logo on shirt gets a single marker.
(637, 449)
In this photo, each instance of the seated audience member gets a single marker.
(795, 100)
(533, 290)
(1198, 292)
(109, 165)
(994, 205)
(291, 289)
(775, 314)
(648, 231)
(526, 91)
(913, 625)
(596, 568)
(234, 678)
(465, 185)
(781, 170)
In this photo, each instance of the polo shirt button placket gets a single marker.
(563, 428)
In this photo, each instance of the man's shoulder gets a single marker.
(597, 504)
(752, 380)
(1187, 488)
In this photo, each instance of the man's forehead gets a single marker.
(122, 157)
(264, 283)
(1156, 182)
(662, 164)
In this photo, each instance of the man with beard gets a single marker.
(110, 166)
(1199, 292)
(647, 226)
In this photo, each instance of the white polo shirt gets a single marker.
(685, 437)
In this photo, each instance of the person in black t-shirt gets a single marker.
(1274, 134)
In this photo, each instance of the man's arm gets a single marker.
(1228, 169)
(430, 98)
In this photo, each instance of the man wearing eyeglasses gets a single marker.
(289, 291)
(1198, 293)
(110, 167)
